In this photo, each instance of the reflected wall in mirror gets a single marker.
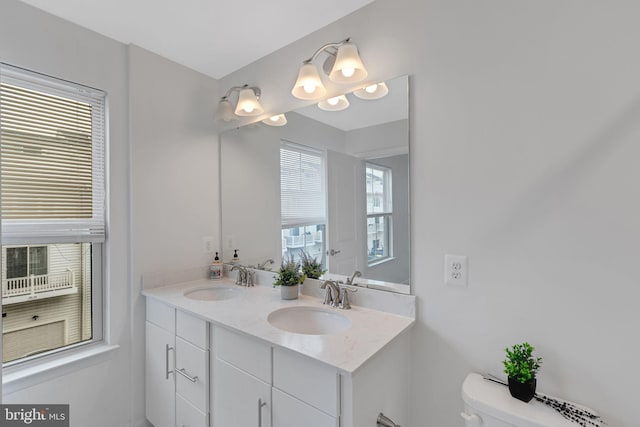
(334, 184)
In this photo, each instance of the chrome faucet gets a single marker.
(261, 266)
(241, 278)
(336, 295)
(350, 280)
(332, 296)
(344, 297)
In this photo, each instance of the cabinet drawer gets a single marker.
(290, 412)
(192, 329)
(248, 354)
(294, 374)
(188, 415)
(194, 362)
(162, 315)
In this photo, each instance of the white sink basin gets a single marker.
(309, 320)
(212, 294)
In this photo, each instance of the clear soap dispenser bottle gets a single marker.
(216, 268)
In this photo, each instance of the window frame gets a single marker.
(28, 261)
(20, 370)
(386, 214)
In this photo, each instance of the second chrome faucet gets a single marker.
(336, 295)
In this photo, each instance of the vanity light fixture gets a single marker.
(277, 120)
(374, 91)
(247, 105)
(337, 103)
(343, 65)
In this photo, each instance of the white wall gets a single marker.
(37, 41)
(383, 140)
(524, 129)
(175, 198)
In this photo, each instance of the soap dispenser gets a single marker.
(236, 258)
(215, 268)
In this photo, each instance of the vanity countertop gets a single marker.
(371, 330)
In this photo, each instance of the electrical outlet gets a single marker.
(228, 241)
(455, 270)
(208, 244)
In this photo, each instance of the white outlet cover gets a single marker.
(455, 270)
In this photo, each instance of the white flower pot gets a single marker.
(289, 292)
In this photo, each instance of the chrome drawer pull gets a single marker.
(260, 405)
(166, 361)
(183, 372)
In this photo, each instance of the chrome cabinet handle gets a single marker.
(166, 361)
(333, 252)
(183, 372)
(260, 405)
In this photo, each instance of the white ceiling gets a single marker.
(215, 37)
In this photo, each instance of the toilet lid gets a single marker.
(494, 400)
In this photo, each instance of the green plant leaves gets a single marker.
(289, 273)
(520, 363)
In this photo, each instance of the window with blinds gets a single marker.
(302, 197)
(52, 159)
(302, 188)
(52, 194)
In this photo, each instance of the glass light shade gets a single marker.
(225, 111)
(348, 67)
(374, 91)
(337, 103)
(308, 85)
(277, 120)
(248, 104)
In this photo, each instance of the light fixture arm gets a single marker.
(325, 49)
(255, 90)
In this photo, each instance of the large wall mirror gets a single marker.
(334, 184)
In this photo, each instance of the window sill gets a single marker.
(380, 262)
(18, 377)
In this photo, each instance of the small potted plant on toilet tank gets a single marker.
(288, 278)
(521, 368)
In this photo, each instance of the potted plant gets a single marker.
(521, 368)
(288, 278)
(311, 267)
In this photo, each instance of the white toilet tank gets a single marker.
(489, 404)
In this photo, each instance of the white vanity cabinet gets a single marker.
(177, 367)
(160, 385)
(256, 385)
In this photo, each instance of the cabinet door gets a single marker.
(160, 386)
(239, 399)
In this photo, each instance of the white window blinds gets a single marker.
(302, 194)
(52, 159)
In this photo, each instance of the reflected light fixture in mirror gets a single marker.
(346, 67)
(277, 120)
(337, 103)
(374, 91)
(247, 105)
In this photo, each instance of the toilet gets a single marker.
(489, 404)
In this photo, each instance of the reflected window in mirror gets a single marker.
(379, 213)
(302, 200)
